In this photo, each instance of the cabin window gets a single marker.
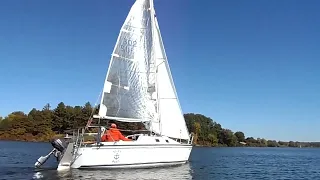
(157, 140)
(167, 141)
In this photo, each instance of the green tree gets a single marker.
(197, 130)
(18, 124)
(47, 107)
(213, 140)
(41, 121)
(240, 136)
(77, 120)
(228, 138)
(59, 117)
(87, 111)
(282, 143)
(264, 142)
(251, 141)
(292, 144)
(4, 124)
(272, 143)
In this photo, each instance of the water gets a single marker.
(17, 160)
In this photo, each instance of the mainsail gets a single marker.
(139, 85)
(125, 93)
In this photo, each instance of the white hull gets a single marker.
(133, 154)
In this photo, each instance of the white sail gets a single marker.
(128, 85)
(139, 85)
(171, 120)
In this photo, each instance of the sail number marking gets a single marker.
(129, 42)
(128, 45)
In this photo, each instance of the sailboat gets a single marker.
(138, 88)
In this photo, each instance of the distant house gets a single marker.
(243, 143)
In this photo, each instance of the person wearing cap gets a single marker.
(114, 134)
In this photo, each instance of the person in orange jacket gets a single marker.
(113, 134)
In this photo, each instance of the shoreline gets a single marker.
(31, 139)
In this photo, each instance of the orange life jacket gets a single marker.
(113, 134)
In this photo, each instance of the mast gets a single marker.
(152, 14)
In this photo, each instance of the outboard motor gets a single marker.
(43, 159)
(59, 145)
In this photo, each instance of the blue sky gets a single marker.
(250, 65)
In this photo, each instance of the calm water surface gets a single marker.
(17, 160)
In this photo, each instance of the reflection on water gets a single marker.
(173, 172)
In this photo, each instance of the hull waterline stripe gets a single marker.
(134, 164)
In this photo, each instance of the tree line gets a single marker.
(43, 125)
(210, 133)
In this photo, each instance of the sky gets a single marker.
(252, 66)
